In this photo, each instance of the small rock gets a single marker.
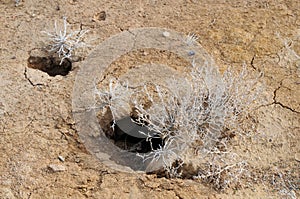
(152, 185)
(166, 34)
(145, 53)
(191, 53)
(36, 77)
(101, 16)
(56, 168)
(297, 157)
(61, 158)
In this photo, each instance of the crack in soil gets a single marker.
(29, 80)
(275, 101)
(252, 63)
(280, 103)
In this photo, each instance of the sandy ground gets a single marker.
(36, 121)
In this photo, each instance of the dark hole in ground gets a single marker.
(137, 145)
(126, 136)
(50, 65)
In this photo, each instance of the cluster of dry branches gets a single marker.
(196, 118)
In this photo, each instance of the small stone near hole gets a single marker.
(166, 34)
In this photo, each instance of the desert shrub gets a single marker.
(63, 42)
(196, 117)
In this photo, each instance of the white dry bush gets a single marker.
(195, 117)
(191, 39)
(115, 98)
(64, 43)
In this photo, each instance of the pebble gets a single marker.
(166, 34)
(61, 158)
(297, 157)
(191, 53)
(101, 16)
(144, 53)
(56, 168)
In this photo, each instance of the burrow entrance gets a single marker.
(127, 133)
(49, 64)
(124, 57)
(127, 136)
(136, 68)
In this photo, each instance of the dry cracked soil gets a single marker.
(41, 154)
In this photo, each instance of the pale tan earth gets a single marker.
(37, 124)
